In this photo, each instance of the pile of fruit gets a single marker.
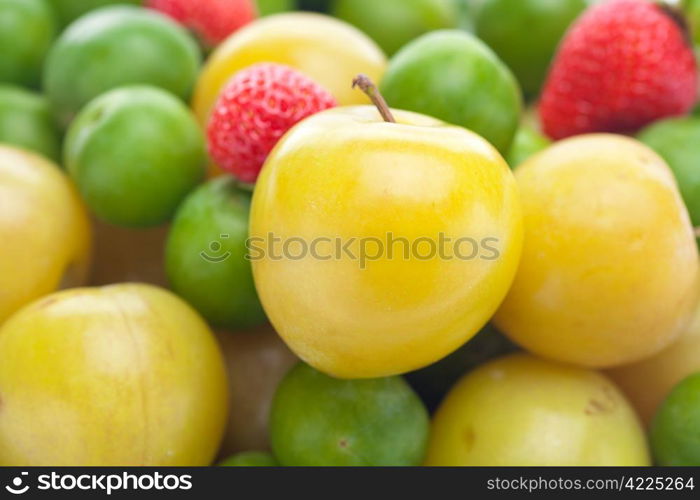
(427, 232)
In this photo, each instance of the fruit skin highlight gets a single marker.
(327, 50)
(44, 229)
(609, 270)
(116, 46)
(456, 78)
(125, 375)
(135, 153)
(622, 65)
(675, 434)
(255, 109)
(317, 420)
(523, 411)
(345, 174)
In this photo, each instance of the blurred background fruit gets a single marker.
(528, 141)
(394, 23)
(621, 66)
(269, 7)
(121, 375)
(675, 434)
(206, 255)
(455, 77)
(27, 29)
(328, 51)
(648, 382)
(317, 420)
(256, 361)
(255, 109)
(26, 122)
(117, 46)
(378, 188)
(523, 411)
(128, 255)
(314, 5)
(433, 382)
(250, 459)
(135, 153)
(609, 270)
(677, 140)
(68, 11)
(525, 34)
(44, 229)
(211, 21)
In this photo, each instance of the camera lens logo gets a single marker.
(16, 487)
(215, 253)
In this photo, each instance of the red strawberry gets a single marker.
(211, 20)
(622, 65)
(254, 111)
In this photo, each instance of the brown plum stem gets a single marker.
(366, 85)
(697, 232)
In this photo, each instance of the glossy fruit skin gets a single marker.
(121, 375)
(117, 46)
(68, 11)
(394, 23)
(256, 361)
(525, 34)
(255, 109)
(327, 50)
(456, 78)
(205, 255)
(44, 228)
(210, 20)
(675, 434)
(250, 459)
(647, 383)
(317, 420)
(523, 411)
(26, 122)
(609, 269)
(135, 153)
(27, 29)
(677, 140)
(528, 141)
(413, 179)
(623, 65)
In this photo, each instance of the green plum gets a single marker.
(250, 459)
(528, 141)
(394, 23)
(68, 11)
(525, 34)
(317, 420)
(135, 153)
(677, 140)
(675, 431)
(268, 7)
(206, 252)
(27, 29)
(116, 46)
(434, 382)
(453, 76)
(26, 122)
(692, 14)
